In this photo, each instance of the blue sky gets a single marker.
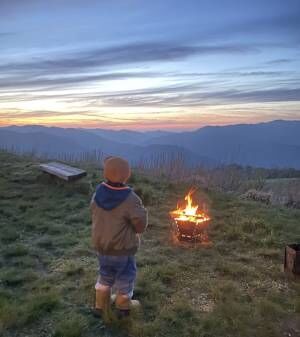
(149, 64)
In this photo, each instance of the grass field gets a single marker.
(236, 287)
(284, 191)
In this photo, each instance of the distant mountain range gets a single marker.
(272, 144)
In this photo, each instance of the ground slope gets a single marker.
(48, 269)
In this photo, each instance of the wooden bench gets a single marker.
(62, 171)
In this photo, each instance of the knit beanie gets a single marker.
(116, 170)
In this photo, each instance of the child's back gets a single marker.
(118, 217)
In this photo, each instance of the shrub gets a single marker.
(146, 193)
(255, 195)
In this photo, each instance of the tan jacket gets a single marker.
(116, 231)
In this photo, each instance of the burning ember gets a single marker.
(191, 223)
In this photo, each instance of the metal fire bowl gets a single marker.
(292, 259)
(188, 230)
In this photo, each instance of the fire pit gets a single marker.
(189, 223)
(292, 259)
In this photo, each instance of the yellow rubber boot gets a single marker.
(102, 298)
(124, 304)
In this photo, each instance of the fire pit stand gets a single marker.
(190, 231)
(189, 223)
(292, 259)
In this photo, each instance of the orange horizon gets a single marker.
(135, 126)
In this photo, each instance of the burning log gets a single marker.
(190, 223)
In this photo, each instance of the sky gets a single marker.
(145, 65)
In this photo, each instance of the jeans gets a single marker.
(118, 272)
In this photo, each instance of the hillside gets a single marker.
(271, 145)
(233, 288)
(51, 142)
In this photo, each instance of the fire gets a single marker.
(189, 212)
(190, 222)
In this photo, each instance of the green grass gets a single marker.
(236, 287)
(70, 326)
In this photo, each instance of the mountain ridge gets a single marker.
(267, 144)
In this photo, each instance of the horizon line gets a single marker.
(146, 130)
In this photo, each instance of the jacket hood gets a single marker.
(109, 197)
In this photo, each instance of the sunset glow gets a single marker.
(148, 65)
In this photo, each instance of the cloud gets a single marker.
(203, 99)
(6, 34)
(229, 74)
(46, 82)
(280, 61)
(255, 96)
(21, 113)
(183, 95)
(42, 81)
(131, 53)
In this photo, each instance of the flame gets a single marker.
(189, 212)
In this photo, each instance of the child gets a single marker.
(118, 217)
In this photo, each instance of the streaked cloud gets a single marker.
(46, 81)
(280, 61)
(204, 99)
(132, 53)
